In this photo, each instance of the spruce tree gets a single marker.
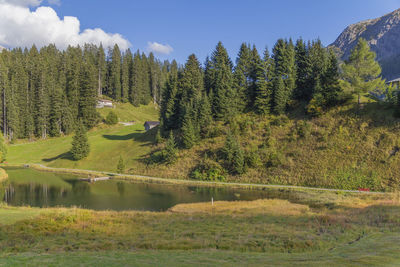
(303, 90)
(331, 87)
(115, 73)
(257, 69)
(112, 118)
(125, 75)
(204, 116)
(80, 143)
(285, 73)
(224, 99)
(280, 97)
(170, 150)
(189, 133)
(3, 149)
(241, 77)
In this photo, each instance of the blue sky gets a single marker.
(196, 26)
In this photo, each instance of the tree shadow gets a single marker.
(121, 137)
(66, 155)
(139, 136)
(379, 114)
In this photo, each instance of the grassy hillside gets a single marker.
(346, 148)
(126, 112)
(355, 230)
(107, 144)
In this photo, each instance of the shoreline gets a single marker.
(158, 180)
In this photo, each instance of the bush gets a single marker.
(111, 118)
(281, 120)
(353, 179)
(208, 170)
(275, 159)
(303, 129)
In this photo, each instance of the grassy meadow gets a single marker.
(107, 144)
(344, 229)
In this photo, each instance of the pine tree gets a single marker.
(223, 102)
(55, 113)
(285, 72)
(241, 77)
(280, 97)
(361, 72)
(331, 87)
(257, 69)
(3, 149)
(102, 70)
(170, 102)
(262, 101)
(204, 116)
(303, 90)
(80, 143)
(115, 73)
(170, 150)
(233, 155)
(111, 118)
(88, 96)
(126, 75)
(189, 133)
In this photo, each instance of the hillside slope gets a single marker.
(345, 149)
(382, 34)
(107, 144)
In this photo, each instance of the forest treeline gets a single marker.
(45, 92)
(264, 84)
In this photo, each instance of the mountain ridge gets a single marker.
(383, 36)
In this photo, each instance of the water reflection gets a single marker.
(37, 189)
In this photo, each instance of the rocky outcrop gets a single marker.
(383, 36)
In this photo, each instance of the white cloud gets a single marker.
(22, 2)
(159, 48)
(19, 26)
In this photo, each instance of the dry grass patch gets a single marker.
(262, 206)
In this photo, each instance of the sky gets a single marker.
(174, 29)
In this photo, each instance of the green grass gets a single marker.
(106, 146)
(353, 232)
(127, 112)
(11, 215)
(378, 250)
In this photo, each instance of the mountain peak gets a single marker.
(383, 36)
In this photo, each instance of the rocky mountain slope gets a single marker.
(383, 35)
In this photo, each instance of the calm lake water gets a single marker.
(46, 189)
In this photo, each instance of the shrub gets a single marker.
(281, 120)
(111, 118)
(303, 129)
(208, 170)
(275, 159)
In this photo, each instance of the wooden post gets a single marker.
(212, 201)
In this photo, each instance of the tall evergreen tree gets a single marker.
(223, 102)
(241, 77)
(115, 74)
(361, 72)
(80, 143)
(303, 90)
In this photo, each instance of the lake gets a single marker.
(28, 187)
